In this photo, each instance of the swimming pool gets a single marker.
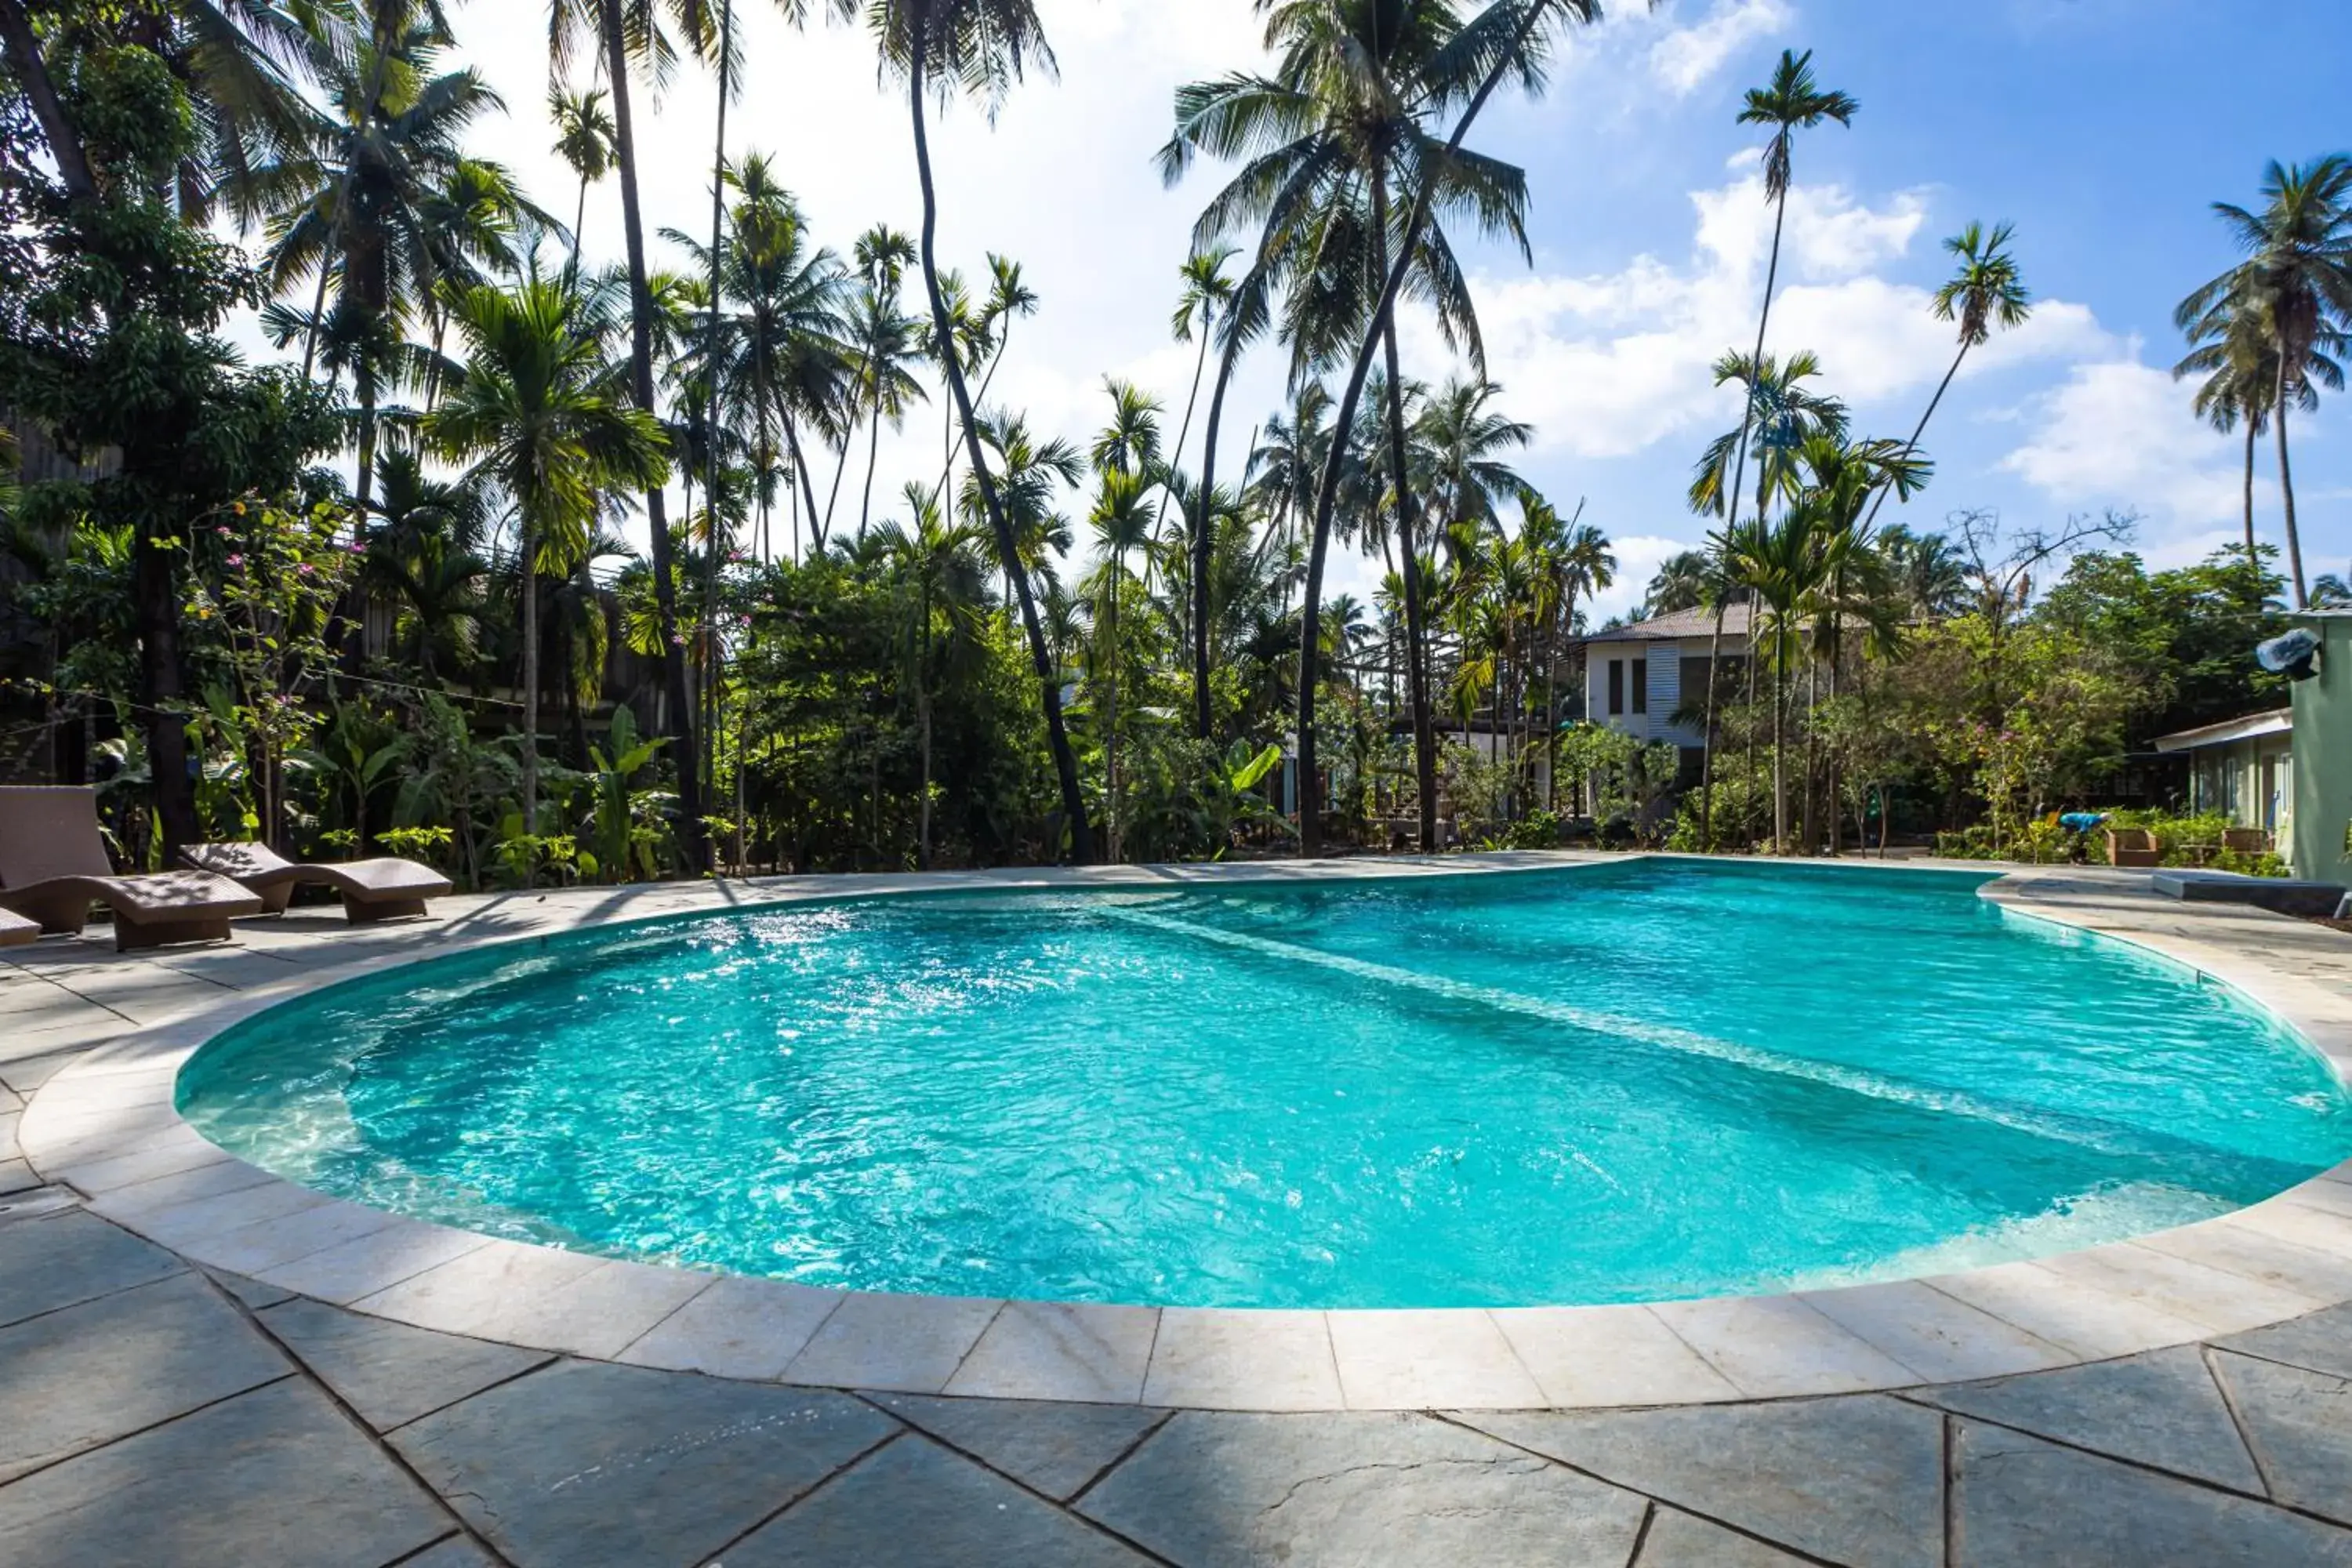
(1638, 1081)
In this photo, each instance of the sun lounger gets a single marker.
(15, 931)
(53, 867)
(2132, 846)
(378, 889)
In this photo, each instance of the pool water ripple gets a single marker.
(1634, 1082)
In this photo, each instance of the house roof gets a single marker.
(1678, 625)
(2279, 722)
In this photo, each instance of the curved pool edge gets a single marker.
(107, 1127)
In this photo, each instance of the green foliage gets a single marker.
(430, 844)
(530, 859)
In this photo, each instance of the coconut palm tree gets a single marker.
(1988, 291)
(1121, 525)
(1790, 102)
(1679, 584)
(1503, 41)
(1332, 143)
(355, 204)
(1461, 438)
(628, 35)
(539, 417)
(888, 341)
(978, 48)
(2295, 287)
(942, 572)
(586, 140)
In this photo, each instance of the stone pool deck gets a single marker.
(156, 1412)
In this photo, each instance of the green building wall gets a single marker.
(2323, 755)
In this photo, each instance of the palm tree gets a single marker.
(585, 140)
(1330, 141)
(887, 341)
(628, 33)
(425, 557)
(1783, 412)
(1988, 291)
(2296, 287)
(1461, 437)
(942, 567)
(539, 417)
(1121, 525)
(980, 47)
(2241, 370)
(353, 205)
(1679, 584)
(1792, 101)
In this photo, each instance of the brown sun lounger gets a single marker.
(53, 867)
(379, 889)
(15, 931)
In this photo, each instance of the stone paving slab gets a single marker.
(71, 1258)
(582, 1464)
(88, 1374)
(1677, 1539)
(2322, 1341)
(389, 1372)
(1218, 1490)
(913, 1504)
(1055, 1450)
(2019, 1502)
(274, 1477)
(2299, 1425)
(1857, 1480)
(2162, 1409)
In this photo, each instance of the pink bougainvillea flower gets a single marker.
(237, 559)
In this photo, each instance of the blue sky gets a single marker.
(2101, 128)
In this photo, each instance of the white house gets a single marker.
(1635, 677)
(2242, 768)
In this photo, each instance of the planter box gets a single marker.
(2308, 899)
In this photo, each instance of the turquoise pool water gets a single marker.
(1631, 1082)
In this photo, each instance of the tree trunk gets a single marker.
(1204, 720)
(692, 840)
(711, 369)
(1756, 374)
(529, 579)
(873, 460)
(2286, 494)
(1326, 496)
(2253, 556)
(1066, 765)
(154, 588)
(1912, 445)
(64, 144)
(365, 496)
(1707, 740)
(1424, 734)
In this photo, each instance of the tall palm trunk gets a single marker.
(1779, 720)
(873, 460)
(1707, 740)
(1425, 733)
(2254, 560)
(1912, 446)
(2286, 493)
(710, 368)
(364, 497)
(1204, 720)
(1327, 495)
(1756, 367)
(692, 838)
(527, 575)
(1110, 724)
(1066, 763)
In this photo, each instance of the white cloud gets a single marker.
(1610, 364)
(1684, 60)
(2122, 434)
